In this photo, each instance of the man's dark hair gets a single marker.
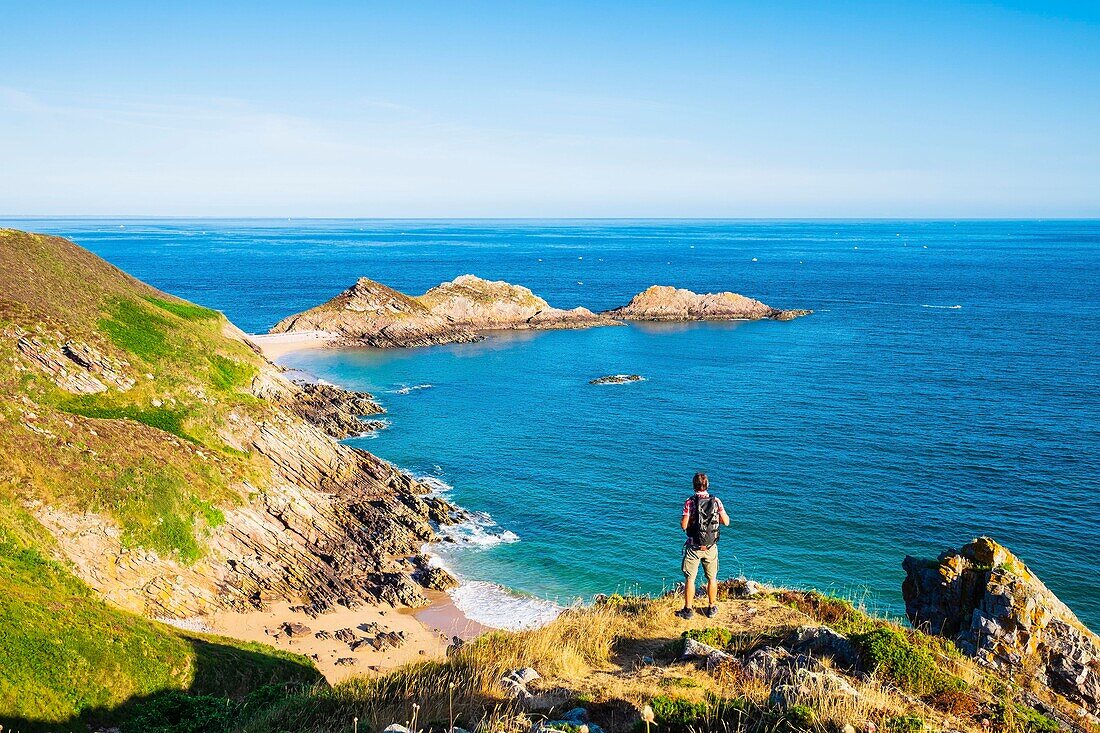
(700, 482)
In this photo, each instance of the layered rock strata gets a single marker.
(324, 525)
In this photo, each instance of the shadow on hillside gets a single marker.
(226, 679)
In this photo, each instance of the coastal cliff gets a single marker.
(459, 311)
(154, 454)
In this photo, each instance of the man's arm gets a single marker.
(684, 522)
(722, 516)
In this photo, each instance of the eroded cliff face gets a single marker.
(997, 611)
(462, 309)
(327, 525)
(176, 469)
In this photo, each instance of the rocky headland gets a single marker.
(995, 610)
(460, 311)
(177, 472)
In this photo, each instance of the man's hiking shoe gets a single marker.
(685, 613)
(712, 611)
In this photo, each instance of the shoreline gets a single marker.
(427, 631)
(275, 345)
(425, 634)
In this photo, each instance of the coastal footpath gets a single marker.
(371, 314)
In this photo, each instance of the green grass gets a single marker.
(1030, 720)
(64, 652)
(168, 419)
(138, 330)
(679, 715)
(214, 517)
(186, 311)
(905, 724)
(228, 375)
(716, 637)
(176, 339)
(158, 511)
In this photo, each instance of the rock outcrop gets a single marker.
(997, 611)
(73, 365)
(482, 305)
(336, 411)
(665, 303)
(459, 311)
(617, 379)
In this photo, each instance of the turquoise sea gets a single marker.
(948, 385)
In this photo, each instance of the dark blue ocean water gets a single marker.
(947, 386)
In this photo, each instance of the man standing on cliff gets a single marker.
(701, 518)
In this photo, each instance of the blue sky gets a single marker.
(550, 109)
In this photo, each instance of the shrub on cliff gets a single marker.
(716, 637)
(887, 651)
(678, 715)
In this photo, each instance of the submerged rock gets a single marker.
(997, 611)
(337, 411)
(618, 379)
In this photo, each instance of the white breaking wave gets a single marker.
(492, 605)
(436, 484)
(486, 603)
(478, 531)
(948, 307)
(410, 388)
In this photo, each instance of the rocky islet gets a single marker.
(462, 310)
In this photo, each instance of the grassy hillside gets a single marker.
(154, 456)
(151, 451)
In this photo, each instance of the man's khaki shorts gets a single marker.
(692, 558)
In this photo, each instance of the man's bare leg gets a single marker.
(689, 593)
(712, 591)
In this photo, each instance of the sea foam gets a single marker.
(478, 531)
(411, 388)
(497, 607)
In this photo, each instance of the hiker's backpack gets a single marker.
(703, 525)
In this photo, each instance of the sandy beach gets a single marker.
(274, 345)
(427, 634)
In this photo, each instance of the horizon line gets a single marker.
(196, 217)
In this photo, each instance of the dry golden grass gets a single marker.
(598, 657)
